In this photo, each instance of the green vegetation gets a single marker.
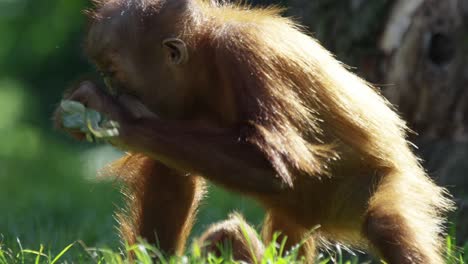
(143, 253)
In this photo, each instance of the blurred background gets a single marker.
(415, 50)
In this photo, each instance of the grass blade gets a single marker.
(62, 253)
(3, 259)
(21, 251)
(40, 254)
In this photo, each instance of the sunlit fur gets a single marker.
(148, 189)
(234, 233)
(309, 114)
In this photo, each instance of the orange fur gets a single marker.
(338, 147)
(237, 234)
(150, 190)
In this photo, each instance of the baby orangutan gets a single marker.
(242, 97)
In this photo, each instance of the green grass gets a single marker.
(275, 253)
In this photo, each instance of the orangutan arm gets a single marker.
(217, 154)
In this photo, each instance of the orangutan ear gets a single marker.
(176, 50)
